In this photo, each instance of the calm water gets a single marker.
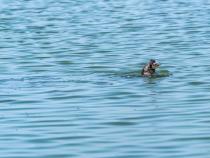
(70, 84)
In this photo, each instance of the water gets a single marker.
(70, 84)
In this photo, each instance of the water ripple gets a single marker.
(71, 85)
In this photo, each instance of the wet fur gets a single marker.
(149, 70)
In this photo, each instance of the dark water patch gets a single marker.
(121, 123)
(197, 83)
(40, 140)
(65, 62)
(6, 100)
(26, 101)
(198, 138)
(68, 97)
(12, 108)
(38, 70)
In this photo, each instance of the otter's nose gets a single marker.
(156, 64)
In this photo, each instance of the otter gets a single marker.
(149, 69)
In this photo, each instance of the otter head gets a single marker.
(153, 65)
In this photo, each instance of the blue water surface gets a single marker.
(70, 82)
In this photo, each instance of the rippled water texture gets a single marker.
(70, 79)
